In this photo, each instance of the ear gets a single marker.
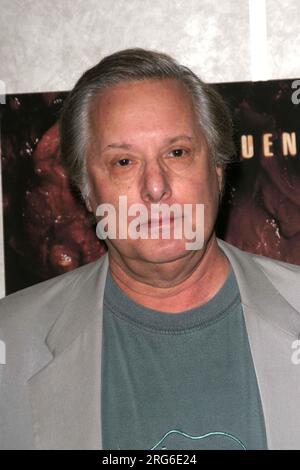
(88, 204)
(220, 176)
(87, 201)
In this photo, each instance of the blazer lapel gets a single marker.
(259, 294)
(65, 394)
(272, 324)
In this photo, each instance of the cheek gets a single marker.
(101, 192)
(104, 191)
(201, 188)
(210, 183)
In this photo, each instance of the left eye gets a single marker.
(177, 153)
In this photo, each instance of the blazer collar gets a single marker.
(258, 293)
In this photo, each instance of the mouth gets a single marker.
(158, 222)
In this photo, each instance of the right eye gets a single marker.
(122, 162)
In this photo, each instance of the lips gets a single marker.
(159, 221)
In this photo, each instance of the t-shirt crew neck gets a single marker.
(224, 301)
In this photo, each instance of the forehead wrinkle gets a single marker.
(127, 146)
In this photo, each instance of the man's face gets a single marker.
(146, 144)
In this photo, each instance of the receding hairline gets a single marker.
(95, 103)
(98, 94)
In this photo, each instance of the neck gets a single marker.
(173, 287)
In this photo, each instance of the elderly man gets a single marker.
(155, 345)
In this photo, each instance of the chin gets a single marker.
(161, 251)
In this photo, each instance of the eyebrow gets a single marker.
(123, 145)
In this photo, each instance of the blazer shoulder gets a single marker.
(285, 277)
(277, 269)
(273, 269)
(260, 277)
(41, 300)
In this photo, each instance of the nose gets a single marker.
(155, 184)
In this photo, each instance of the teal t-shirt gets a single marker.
(178, 380)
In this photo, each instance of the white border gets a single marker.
(2, 270)
(260, 69)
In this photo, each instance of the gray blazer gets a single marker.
(50, 386)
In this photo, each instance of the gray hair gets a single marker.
(131, 65)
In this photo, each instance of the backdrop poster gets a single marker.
(261, 211)
(48, 231)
